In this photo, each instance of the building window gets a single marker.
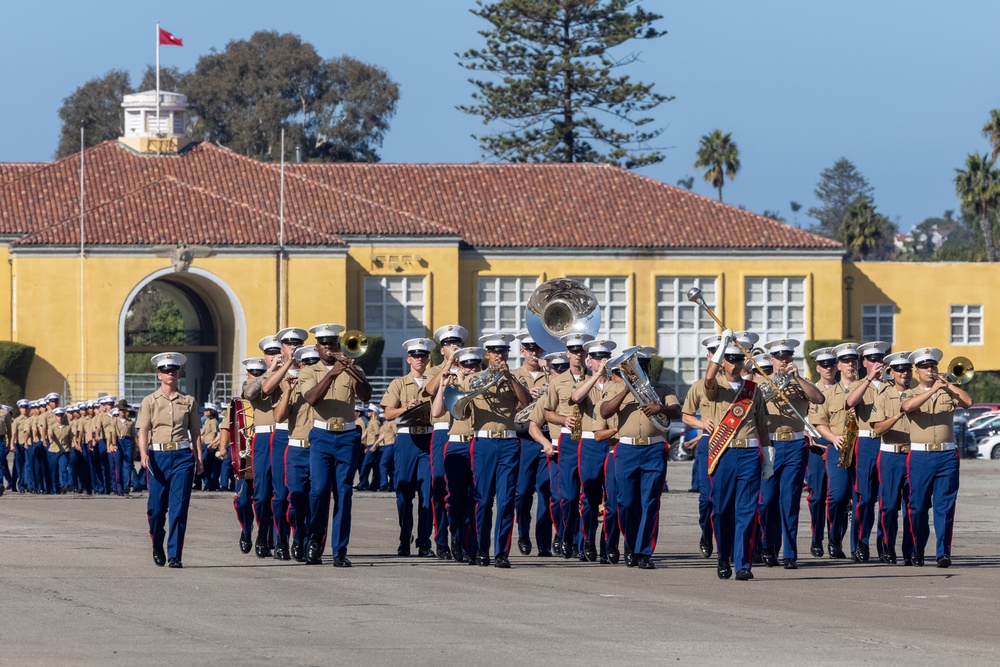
(612, 294)
(877, 322)
(967, 325)
(776, 308)
(681, 325)
(501, 308)
(394, 309)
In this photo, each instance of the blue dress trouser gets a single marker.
(125, 469)
(704, 491)
(279, 497)
(612, 530)
(243, 504)
(532, 478)
(735, 490)
(817, 491)
(495, 464)
(171, 475)
(58, 470)
(30, 464)
(101, 465)
(413, 478)
(8, 475)
(839, 485)
(263, 488)
(781, 497)
(460, 499)
(387, 467)
(333, 462)
(569, 490)
(894, 491)
(368, 470)
(43, 479)
(297, 481)
(641, 472)
(865, 487)
(933, 483)
(555, 503)
(17, 475)
(592, 456)
(228, 477)
(439, 487)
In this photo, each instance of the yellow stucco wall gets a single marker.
(923, 295)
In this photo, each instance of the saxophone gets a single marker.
(850, 441)
(576, 433)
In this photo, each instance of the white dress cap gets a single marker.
(305, 352)
(326, 330)
(746, 336)
(254, 364)
(269, 343)
(823, 354)
(712, 341)
(846, 350)
(374, 408)
(576, 339)
(781, 345)
(419, 345)
(925, 354)
(764, 361)
(525, 337)
(897, 359)
(875, 347)
(211, 406)
(168, 359)
(293, 334)
(469, 353)
(451, 331)
(496, 340)
(646, 352)
(599, 345)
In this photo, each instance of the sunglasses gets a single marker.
(848, 360)
(294, 342)
(327, 340)
(902, 368)
(470, 363)
(782, 355)
(927, 364)
(733, 358)
(310, 361)
(418, 355)
(829, 363)
(530, 346)
(452, 341)
(498, 349)
(170, 369)
(256, 373)
(574, 350)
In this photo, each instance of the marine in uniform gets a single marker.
(733, 411)
(533, 475)
(170, 450)
(264, 428)
(933, 459)
(816, 486)
(60, 444)
(640, 462)
(865, 493)
(540, 430)
(891, 425)
(6, 446)
(781, 493)
(831, 418)
(370, 431)
(210, 463)
(105, 448)
(124, 427)
(332, 387)
(244, 494)
(405, 403)
(495, 450)
(19, 429)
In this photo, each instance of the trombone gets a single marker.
(354, 344)
(960, 371)
(694, 295)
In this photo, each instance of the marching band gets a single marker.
(579, 427)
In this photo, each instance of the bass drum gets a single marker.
(241, 437)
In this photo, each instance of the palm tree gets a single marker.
(865, 232)
(978, 187)
(719, 154)
(796, 207)
(992, 132)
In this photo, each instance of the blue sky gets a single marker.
(902, 89)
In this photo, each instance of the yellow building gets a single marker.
(398, 250)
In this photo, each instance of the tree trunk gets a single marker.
(720, 193)
(986, 226)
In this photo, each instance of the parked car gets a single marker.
(977, 410)
(675, 436)
(983, 426)
(987, 448)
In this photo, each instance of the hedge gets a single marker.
(15, 362)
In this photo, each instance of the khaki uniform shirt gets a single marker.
(590, 407)
(50, 421)
(493, 409)
(389, 430)
(124, 428)
(372, 432)
(20, 428)
(107, 427)
(560, 390)
(780, 418)
(60, 438)
(263, 406)
(886, 405)
(713, 405)
(209, 430)
(337, 406)
(401, 391)
(172, 419)
(934, 420)
(863, 410)
(631, 421)
(428, 376)
(300, 415)
(833, 411)
(5, 424)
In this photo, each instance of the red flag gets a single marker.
(170, 40)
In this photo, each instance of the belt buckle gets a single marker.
(738, 443)
(498, 435)
(641, 440)
(934, 447)
(783, 437)
(904, 449)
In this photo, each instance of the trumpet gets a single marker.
(694, 295)
(354, 344)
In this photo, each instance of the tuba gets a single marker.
(458, 401)
(627, 365)
(558, 307)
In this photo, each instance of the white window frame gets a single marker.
(489, 289)
(879, 312)
(393, 360)
(964, 315)
(680, 346)
(786, 307)
(602, 287)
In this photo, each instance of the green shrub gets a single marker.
(371, 361)
(985, 387)
(15, 362)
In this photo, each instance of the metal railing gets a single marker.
(174, 337)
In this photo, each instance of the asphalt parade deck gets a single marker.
(79, 586)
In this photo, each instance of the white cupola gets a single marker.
(152, 129)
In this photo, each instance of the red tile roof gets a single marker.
(210, 195)
(11, 171)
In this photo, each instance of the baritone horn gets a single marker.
(354, 344)
(627, 365)
(559, 307)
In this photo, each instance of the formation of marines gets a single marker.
(559, 437)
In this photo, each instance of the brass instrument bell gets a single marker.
(354, 343)
(960, 371)
(558, 307)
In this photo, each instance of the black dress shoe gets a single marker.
(918, 560)
(502, 562)
(159, 557)
(645, 564)
(483, 559)
(944, 561)
(744, 575)
(567, 550)
(769, 558)
(403, 550)
(589, 552)
(789, 564)
(544, 553)
(706, 547)
(575, 553)
(907, 561)
(725, 570)
(174, 562)
(603, 560)
(524, 545)
(836, 551)
(816, 549)
(557, 546)
(314, 552)
(863, 552)
(443, 552)
(281, 553)
(262, 550)
(613, 554)
(341, 561)
(245, 544)
(457, 552)
(629, 558)
(297, 554)
(425, 552)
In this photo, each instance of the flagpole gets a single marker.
(281, 239)
(157, 77)
(82, 333)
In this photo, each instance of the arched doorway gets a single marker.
(192, 312)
